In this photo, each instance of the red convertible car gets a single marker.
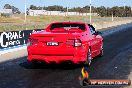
(76, 42)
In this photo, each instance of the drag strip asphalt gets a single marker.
(115, 64)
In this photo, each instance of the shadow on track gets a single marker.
(63, 66)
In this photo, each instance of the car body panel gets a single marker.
(62, 44)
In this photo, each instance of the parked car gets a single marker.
(75, 42)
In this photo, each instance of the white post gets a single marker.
(25, 12)
(124, 6)
(41, 4)
(90, 12)
(112, 17)
(67, 10)
(124, 10)
(131, 9)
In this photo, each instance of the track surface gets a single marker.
(116, 64)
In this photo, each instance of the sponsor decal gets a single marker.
(86, 81)
(10, 38)
(14, 38)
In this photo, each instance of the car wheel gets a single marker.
(89, 57)
(101, 51)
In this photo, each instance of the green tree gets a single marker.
(33, 7)
(102, 11)
(7, 6)
(14, 9)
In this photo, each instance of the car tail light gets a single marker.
(32, 41)
(77, 43)
(74, 42)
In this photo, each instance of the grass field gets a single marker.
(40, 22)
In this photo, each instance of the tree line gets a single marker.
(118, 11)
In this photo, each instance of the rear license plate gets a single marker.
(52, 44)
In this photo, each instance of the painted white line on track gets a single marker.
(12, 49)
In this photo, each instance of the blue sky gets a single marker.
(71, 3)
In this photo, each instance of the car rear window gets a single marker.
(67, 26)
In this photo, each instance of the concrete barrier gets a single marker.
(15, 38)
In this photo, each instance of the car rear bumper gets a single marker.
(49, 55)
